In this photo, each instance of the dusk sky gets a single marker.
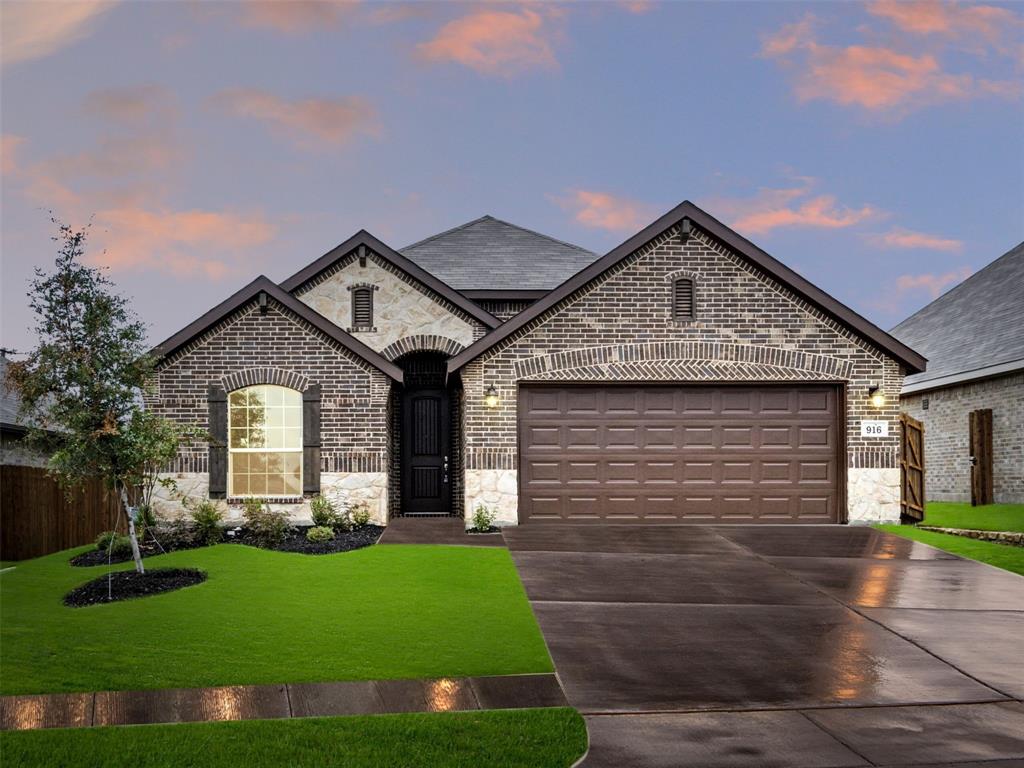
(876, 148)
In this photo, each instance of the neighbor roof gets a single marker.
(491, 254)
(263, 284)
(723, 234)
(973, 331)
(10, 403)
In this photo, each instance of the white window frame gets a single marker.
(292, 393)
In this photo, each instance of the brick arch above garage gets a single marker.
(684, 360)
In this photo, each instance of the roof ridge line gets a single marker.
(542, 235)
(962, 283)
(446, 232)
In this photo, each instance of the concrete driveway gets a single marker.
(795, 646)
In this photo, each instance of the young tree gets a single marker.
(82, 385)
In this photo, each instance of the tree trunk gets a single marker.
(131, 512)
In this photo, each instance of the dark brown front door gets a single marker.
(654, 453)
(426, 486)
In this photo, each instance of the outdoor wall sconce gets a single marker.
(685, 230)
(491, 397)
(876, 396)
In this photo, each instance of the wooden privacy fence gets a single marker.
(911, 468)
(37, 517)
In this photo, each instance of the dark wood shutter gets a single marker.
(362, 308)
(682, 299)
(311, 439)
(217, 403)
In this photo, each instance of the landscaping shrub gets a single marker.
(122, 545)
(323, 512)
(267, 527)
(207, 519)
(320, 533)
(360, 514)
(483, 518)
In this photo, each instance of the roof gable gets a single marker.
(723, 234)
(491, 254)
(363, 239)
(252, 291)
(972, 327)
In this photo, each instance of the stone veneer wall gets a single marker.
(619, 328)
(947, 447)
(249, 347)
(401, 307)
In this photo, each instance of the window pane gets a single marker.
(293, 484)
(237, 398)
(292, 417)
(258, 463)
(293, 438)
(238, 418)
(238, 438)
(239, 484)
(275, 485)
(257, 397)
(275, 463)
(240, 463)
(258, 484)
(257, 438)
(275, 396)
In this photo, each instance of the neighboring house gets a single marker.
(13, 427)
(685, 376)
(973, 337)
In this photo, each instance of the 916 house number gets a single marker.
(874, 429)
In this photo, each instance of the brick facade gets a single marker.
(279, 348)
(747, 327)
(947, 437)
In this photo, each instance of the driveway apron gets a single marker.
(796, 646)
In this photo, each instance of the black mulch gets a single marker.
(476, 531)
(295, 541)
(125, 585)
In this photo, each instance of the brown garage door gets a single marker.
(679, 454)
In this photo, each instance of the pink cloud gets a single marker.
(977, 24)
(33, 30)
(790, 207)
(881, 79)
(132, 104)
(194, 242)
(601, 210)
(906, 238)
(931, 284)
(637, 6)
(294, 16)
(494, 42)
(309, 123)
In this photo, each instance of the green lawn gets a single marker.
(538, 738)
(1000, 555)
(992, 517)
(273, 617)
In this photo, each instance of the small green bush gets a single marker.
(483, 517)
(207, 518)
(323, 512)
(360, 514)
(320, 533)
(267, 526)
(122, 545)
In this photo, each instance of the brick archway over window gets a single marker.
(253, 376)
(421, 343)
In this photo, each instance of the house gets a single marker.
(684, 376)
(973, 337)
(14, 427)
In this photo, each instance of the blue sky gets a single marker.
(876, 148)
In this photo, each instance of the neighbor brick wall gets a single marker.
(747, 328)
(249, 347)
(947, 437)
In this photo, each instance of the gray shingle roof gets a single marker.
(490, 254)
(977, 324)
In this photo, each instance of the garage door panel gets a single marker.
(686, 453)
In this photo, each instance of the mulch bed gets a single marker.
(125, 585)
(477, 531)
(295, 541)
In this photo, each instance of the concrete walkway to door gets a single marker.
(795, 646)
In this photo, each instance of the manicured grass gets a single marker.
(992, 517)
(1000, 555)
(532, 737)
(273, 617)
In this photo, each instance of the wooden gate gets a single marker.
(37, 517)
(981, 457)
(911, 468)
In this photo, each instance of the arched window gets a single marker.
(265, 442)
(682, 299)
(362, 307)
